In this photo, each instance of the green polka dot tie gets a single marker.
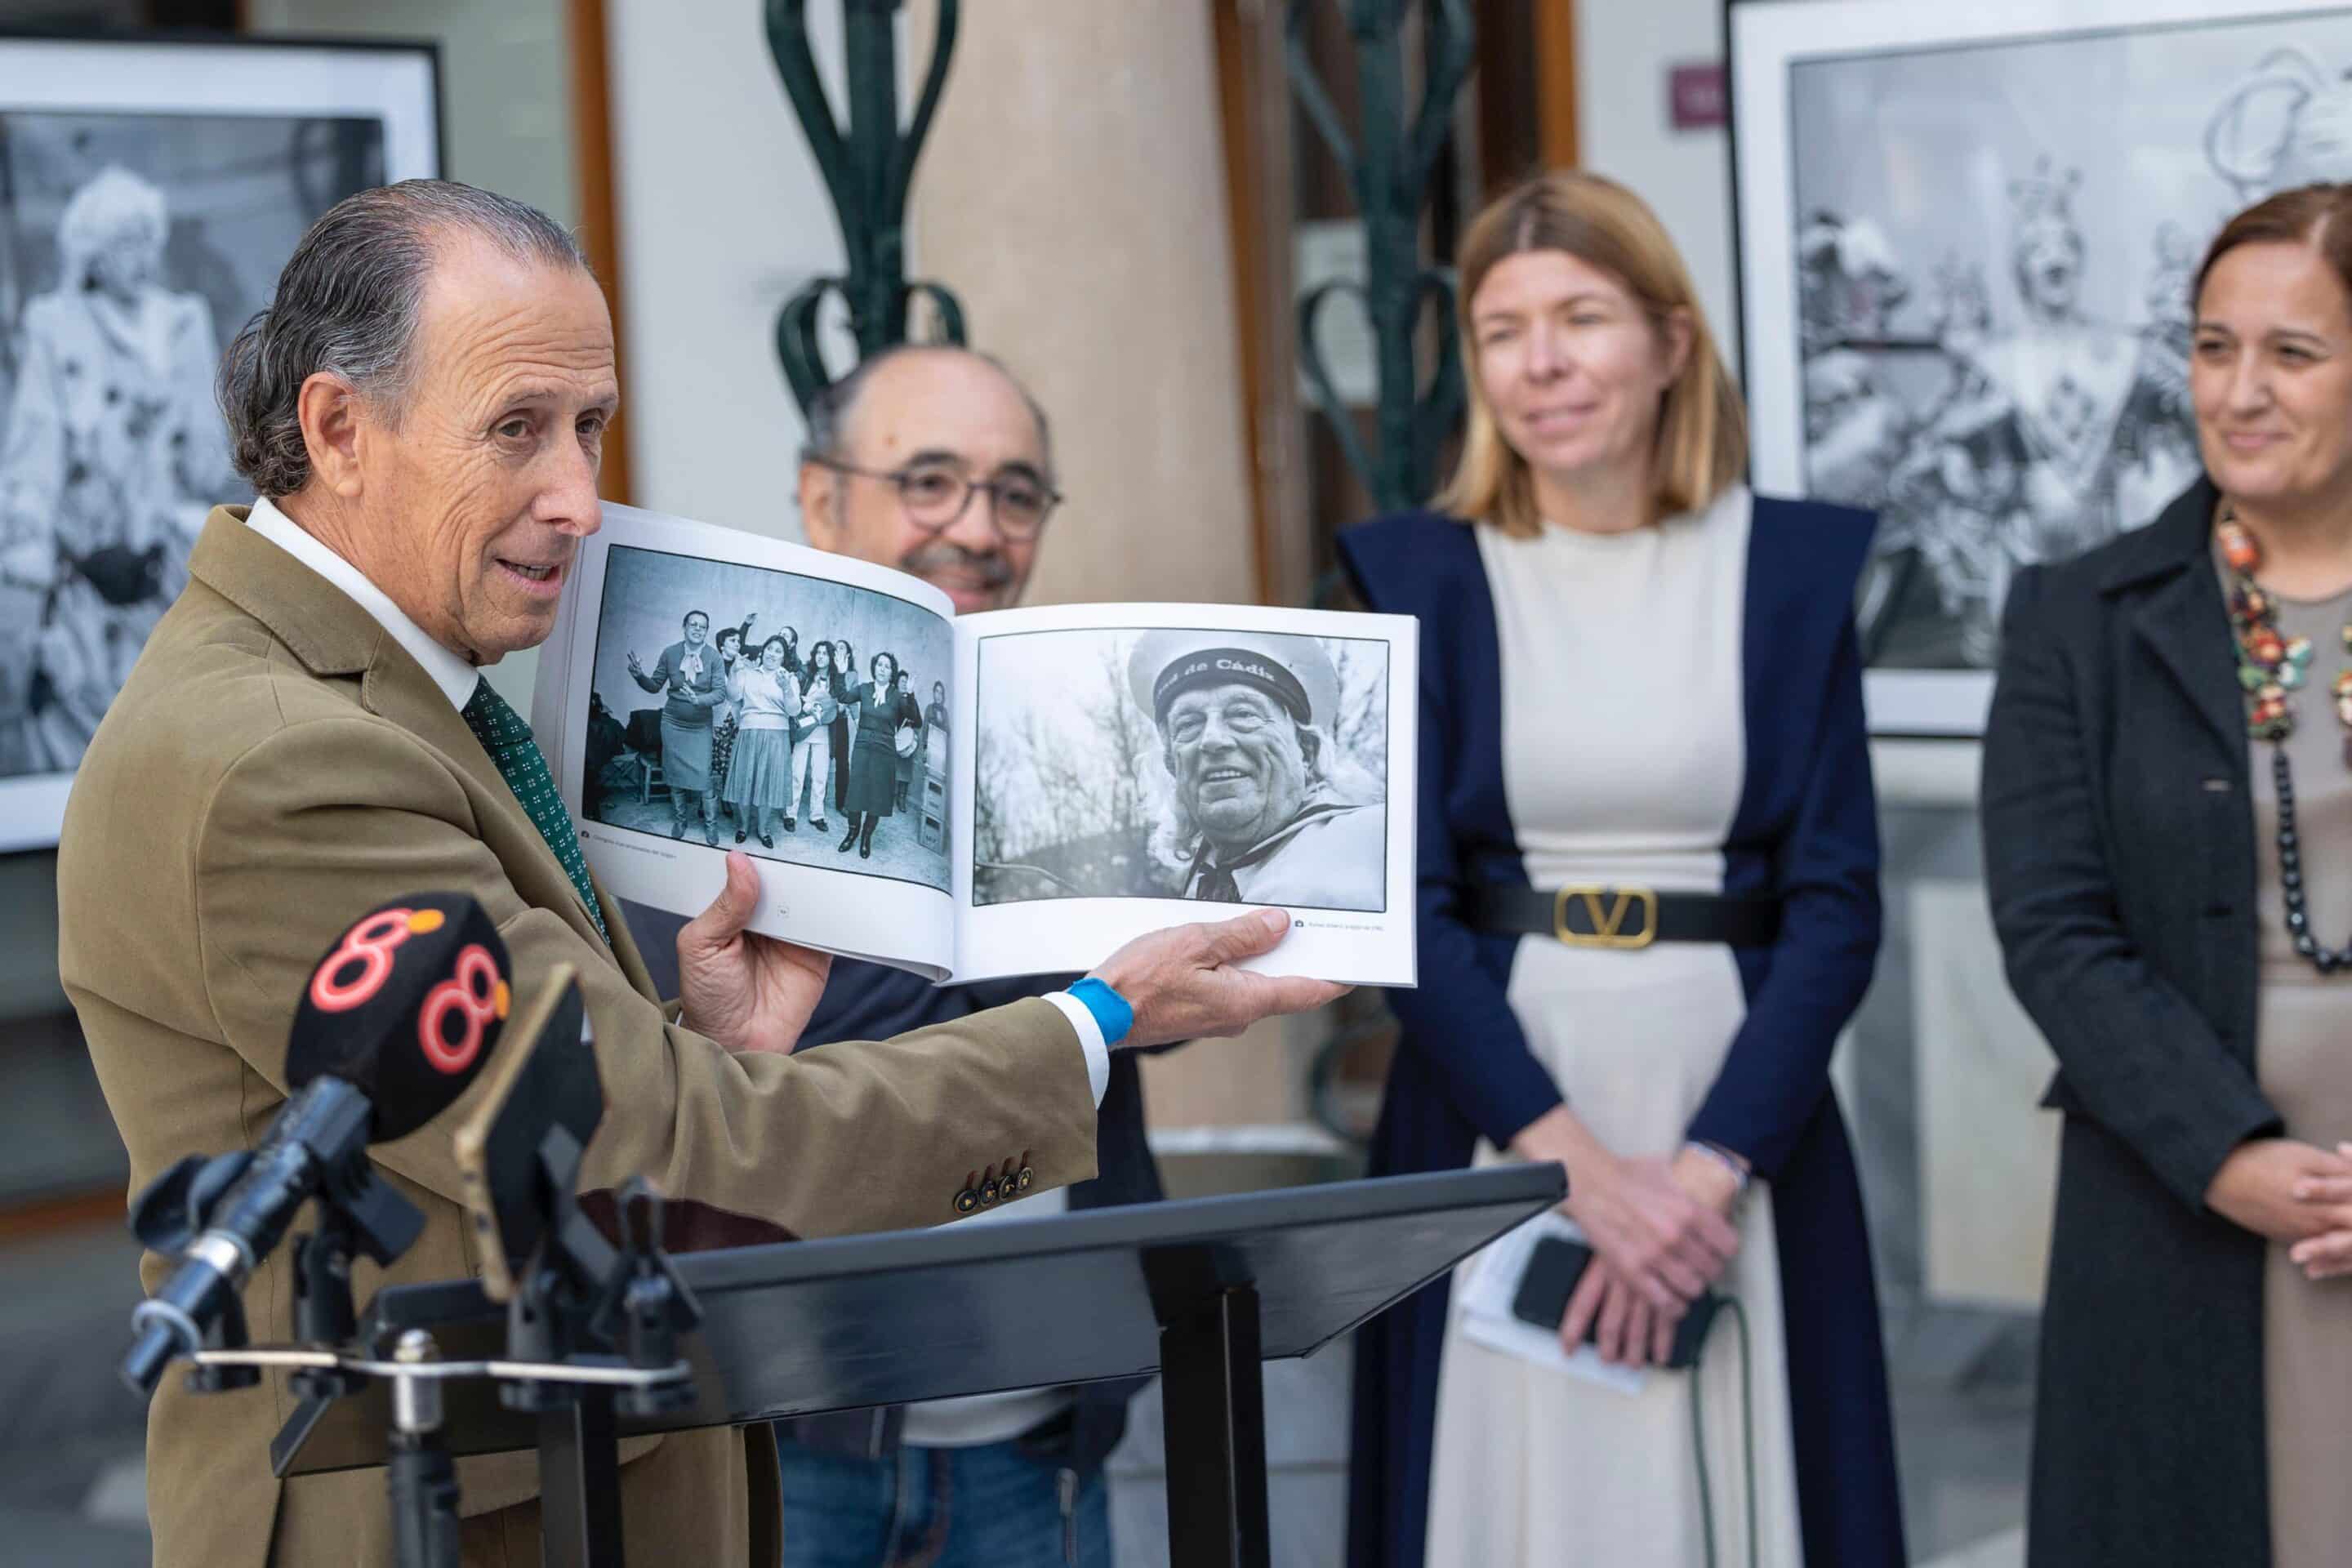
(507, 738)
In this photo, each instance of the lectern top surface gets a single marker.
(894, 1319)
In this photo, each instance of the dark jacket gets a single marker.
(2119, 850)
(873, 1002)
(1806, 828)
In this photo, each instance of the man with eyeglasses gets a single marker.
(938, 462)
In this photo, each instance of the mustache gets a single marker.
(992, 570)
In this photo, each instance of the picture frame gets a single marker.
(151, 189)
(1965, 242)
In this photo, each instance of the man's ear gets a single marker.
(820, 490)
(1310, 751)
(332, 416)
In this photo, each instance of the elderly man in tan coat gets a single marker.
(307, 736)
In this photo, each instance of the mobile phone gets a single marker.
(1554, 1267)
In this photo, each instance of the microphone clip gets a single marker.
(647, 1305)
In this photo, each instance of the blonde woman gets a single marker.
(1641, 682)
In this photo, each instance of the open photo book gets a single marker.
(968, 797)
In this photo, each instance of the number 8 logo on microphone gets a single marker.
(475, 991)
(368, 944)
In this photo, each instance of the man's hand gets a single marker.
(747, 992)
(1183, 985)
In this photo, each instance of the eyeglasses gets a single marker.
(935, 497)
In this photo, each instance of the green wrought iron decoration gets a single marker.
(868, 166)
(1390, 161)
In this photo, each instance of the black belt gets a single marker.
(1624, 917)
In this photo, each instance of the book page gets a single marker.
(1138, 766)
(691, 709)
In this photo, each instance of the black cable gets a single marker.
(1748, 1426)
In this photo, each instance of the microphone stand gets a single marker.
(593, 1332)
(420, 1477)
(578, 1290)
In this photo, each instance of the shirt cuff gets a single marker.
(1091, 1040)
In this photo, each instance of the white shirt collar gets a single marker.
(450, 670)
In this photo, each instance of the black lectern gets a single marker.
(1202, 1291)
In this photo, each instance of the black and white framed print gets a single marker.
(149, 192)
(1968, 237)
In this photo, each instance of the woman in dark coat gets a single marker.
(2167, 825)
(912, 762)
(873, 755)
(844, 693)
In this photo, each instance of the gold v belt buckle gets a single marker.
(1607, 929)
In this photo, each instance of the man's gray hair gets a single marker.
(829, 414)
(347, 304)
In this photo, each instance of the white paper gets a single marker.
(1098, 764)
(1488, 1285)
(1053, 689)
(813, 892)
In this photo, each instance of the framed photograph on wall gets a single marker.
(149, 192)
(1968, 237)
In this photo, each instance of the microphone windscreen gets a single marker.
(405, 1006)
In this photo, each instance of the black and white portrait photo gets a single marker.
(801, 720)
(1223, 766)
(138, 233)
(1969, 237)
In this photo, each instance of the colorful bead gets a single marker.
(2270, 666)
(2238, 547)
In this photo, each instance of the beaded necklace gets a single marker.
(2270, 668)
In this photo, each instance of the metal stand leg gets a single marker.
(580, 1484)
(1213, 1392)
(420, 1480)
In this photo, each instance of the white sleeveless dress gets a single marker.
(1624, 756)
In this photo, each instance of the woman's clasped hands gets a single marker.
(1660, 1234)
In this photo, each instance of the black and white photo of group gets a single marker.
(1995, 245)
(1231, 767)
(801, 720)
(132, 248)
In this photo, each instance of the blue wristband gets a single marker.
(1113, 1017)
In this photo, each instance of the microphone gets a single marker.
(396, 1020)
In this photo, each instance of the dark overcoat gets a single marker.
(2119, 849)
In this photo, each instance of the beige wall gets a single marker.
(1073, 195)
